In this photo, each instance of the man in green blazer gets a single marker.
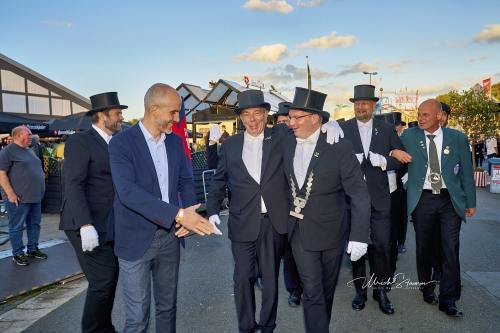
(441, 194)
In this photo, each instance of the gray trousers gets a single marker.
(160, 264)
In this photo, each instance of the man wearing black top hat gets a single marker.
(321, 177)
(281, 117)
(373, 141)
(251, 166)
(87, 208)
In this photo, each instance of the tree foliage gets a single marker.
(475, 113)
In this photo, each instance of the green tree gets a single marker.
(495, 91)
(133, 121)
(474, 113)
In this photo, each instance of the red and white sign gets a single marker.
(487, 86)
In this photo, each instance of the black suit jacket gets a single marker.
(87, 186)
(245, 206)
(336, 175)
(384, 139)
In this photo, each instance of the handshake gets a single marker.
(188, 220)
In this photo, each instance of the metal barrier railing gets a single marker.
(212, 171)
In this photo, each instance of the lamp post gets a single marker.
(370, 73)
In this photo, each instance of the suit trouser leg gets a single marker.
(267, 252)
(245, 273)
(379, 250)
(450, 223)
(290, 273)
(378, 253)
(101, 270)
(318, 272)
(426, 222)
(270, 247)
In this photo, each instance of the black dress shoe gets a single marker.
(431, 299)
(384, 303)
(451, 310)
(294, 299)
(358, 303)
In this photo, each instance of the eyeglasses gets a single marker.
(298, 117)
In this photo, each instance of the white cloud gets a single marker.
(357, 68)
(280, 6)
(309, 3)
(58, 24)
(330, 41)
(437, 89)
(478, 59)
(267, 53)
(490, 34)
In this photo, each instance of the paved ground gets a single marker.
(206, 301)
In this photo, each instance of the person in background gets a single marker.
(446, 111)
(23, 180)
(491, 147)
(224, 134)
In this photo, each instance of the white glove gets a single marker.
(90, 238)
(213, 220)
(404, 179)
(333, 131)
(357, 250)
(378, 160)
(360, 157)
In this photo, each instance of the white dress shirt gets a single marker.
(365, 132)
(158, 153)
(438, 140)
(252, 158)
(303, 154)
(103, 134)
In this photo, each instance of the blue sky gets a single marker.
(125, 46)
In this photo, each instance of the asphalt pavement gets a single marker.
(206, 300)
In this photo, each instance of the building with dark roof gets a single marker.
(28, 94)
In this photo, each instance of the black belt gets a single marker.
(442, 191)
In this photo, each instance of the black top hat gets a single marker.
(413, 124)
(105, 101)
(310, 101)
(283, 109)
(251, 99)
(392, 117)
(364, 92)
(446, 108)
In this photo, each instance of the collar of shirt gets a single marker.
(103, 134)
(437, 133)
(311, 139)
(368, 124)
(249, 137)
(148, 135)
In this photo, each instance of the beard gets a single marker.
(113, 127)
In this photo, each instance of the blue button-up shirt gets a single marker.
(158, 153)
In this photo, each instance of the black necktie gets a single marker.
(435, 175)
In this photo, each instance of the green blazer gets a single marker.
(456, 168)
